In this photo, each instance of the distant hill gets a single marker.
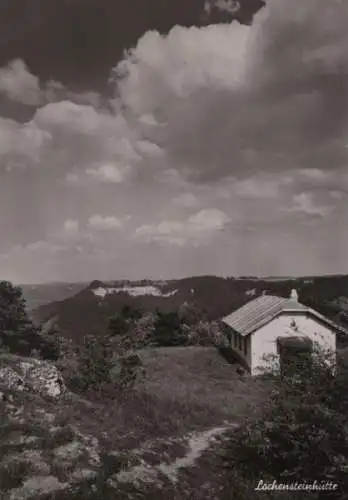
(44, 293)
(88, 311)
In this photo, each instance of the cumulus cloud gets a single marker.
(104, 223)
(21, 144)
(276, 88)
(148, 119)
(195, 230)
(304, 203)
(77, 118)
(211, 219)
(71, 227)
(109, 173)
(19, 84)
(186, 200)
(164, 68)
(148, 148)
(315, 174)
(41, 247)
(258, 187)
(73, 138)
(250, 120)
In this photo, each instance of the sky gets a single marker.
(198, 148)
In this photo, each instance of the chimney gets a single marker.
(294, 294)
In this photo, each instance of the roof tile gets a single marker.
(259, 311)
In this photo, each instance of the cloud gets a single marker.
(225, 90)
(109, 173)
(186, 200)
(55, 92)
(336, 195)
(197, 229)
(315, 174)
(19, 84)
(148, 148)
(71, 227)
(43, 248)
(36, 249)
(148, 119)
(72, 138)
(107, 223)
(77, 118)
(211, 219)
(164, 68)
(304, 203)
(249, 120)
(21, 144)
(256, 187)
(231, 6)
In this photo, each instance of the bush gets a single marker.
(120, 323)
(302, 433)
(94, 363)
(168, 330)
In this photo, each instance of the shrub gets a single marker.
(121, 322)
(94, 363)
(302, 433)
(168, 330)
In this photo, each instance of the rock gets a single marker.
(37, 486)
(47, 381)
(12, 380)
(33, 375)
(80, 475)
(69, 453)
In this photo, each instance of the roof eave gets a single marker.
(308, 310)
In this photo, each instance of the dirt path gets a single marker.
(196, 445)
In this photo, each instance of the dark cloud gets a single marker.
(77, 41)
(292, 110)
(255, 116)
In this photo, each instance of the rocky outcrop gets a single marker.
(43, 453)
(33, 375)
(55, 445)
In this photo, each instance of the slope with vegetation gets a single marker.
(88, 312)
(132, 419)
(44, 293)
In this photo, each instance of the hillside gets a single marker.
(148, 445)
(37, 295)
(88, 311)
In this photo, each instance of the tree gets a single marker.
(120, 323)
(131, 313)
(302, 432)
(117, 325)
(168, 330)
(17, 332)
(94, 364)
(190, 314)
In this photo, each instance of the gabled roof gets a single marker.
(256, 313)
